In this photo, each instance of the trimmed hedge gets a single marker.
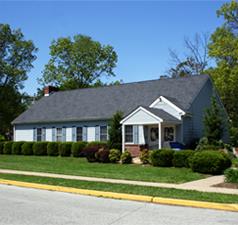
(53, 149)
(126, 157)
(40, 148)
(1, 147)
(181, 158)
(102, 155)
(7, 148)
(16, 147)
(65, 149)
(26, 148)
(209, 162)
(231, 175)
(114, 155)
(77, 148)
(162, 157)
(98, 144)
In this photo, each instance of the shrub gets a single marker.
(90, 153)
(126, 157)
(27, 148)
(16, 147)
(40, 148)
(98, 144)
(77, 148)
(231, 175)
(162, 157)
(145, 156)
(114, 155)
(7, 148)
(1, 147)
(102, 155)
(204, 144)
(65, 148)
(209, 162)
(53, 149)
(181, 158)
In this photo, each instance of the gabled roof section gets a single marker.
(101, 103)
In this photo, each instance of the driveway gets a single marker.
(22, 206)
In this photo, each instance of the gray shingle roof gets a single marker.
(103, 102)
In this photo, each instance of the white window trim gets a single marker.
(129, 143)
(100, 132)
(77, 133)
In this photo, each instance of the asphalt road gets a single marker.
(22, 206)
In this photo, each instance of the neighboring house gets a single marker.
(157, 112)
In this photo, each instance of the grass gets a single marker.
(80, 166)
(130, 189)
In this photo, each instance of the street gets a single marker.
(22, 206)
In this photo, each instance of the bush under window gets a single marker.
(114, 155)
(53, 149)
(16, 147)
(181, 158)
(126, 157)
(162, 157)
(65, 148)
(77, 148)
(27, 148)
(40, 148)
(7, 148)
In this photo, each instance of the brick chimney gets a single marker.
(49, 90)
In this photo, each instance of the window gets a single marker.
(103, 133)
(59, 134)
(154, 134)
(40, 134)
(79, 134)
(168, 134)
(129, 133)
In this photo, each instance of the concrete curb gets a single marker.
(132, 197)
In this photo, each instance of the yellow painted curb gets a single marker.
(141, 198)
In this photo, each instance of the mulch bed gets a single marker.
(227, 185)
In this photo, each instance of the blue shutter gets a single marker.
(97, 133)
(43, 134)
(34, 134)
(85, 135)
(53, 134)
(74, 134)
(64, 134)
(135, 134)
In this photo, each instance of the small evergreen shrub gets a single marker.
(53, 149)
(126, 157)
(204, 144)
(27, 148)
(7, 148)
(90, 152)
(209, 162)
(102, 155)
(1, 147)
(16, 147)
(65, 148)
(162, 157)
(40, 148)
(114, 155)
(145, 156)
(181, 158)
(98, 144)
(231, 175)
(77, 148)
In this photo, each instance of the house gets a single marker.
(157, 112)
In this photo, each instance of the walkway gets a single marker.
(204, 185)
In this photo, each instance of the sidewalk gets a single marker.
(203, 185)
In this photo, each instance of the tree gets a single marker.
(195, 60)
(78, 62)
(213, 123)
(115, 133)
(223, 48)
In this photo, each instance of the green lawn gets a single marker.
(80, 166)
(130, 189)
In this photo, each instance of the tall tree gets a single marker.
(223, 48)
(78, 62)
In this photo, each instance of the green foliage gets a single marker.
(126, 157)
(1, 147)
(7, 148)
(16, 147)
(114, 132)
(210, 162)
(98, 144)
(78, 62)
(145, 156)
(231, 175)
(205, 145)
(65, 148)
(77, 148)
(53, 149)
(2, 138)
(181, 158)
(162, 157)
(102, 155)
(234, 136)
(27, 148)
(114, 155)
(40, 148)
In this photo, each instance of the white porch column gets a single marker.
(160, 136)
(123, 137)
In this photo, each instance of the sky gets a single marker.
(140, 32)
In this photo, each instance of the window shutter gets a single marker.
(97, 133)
(74, 134)
(85, 134)
(34, 134)
(53, 134)
(135, 134)
(43, 134)
(64, 134)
